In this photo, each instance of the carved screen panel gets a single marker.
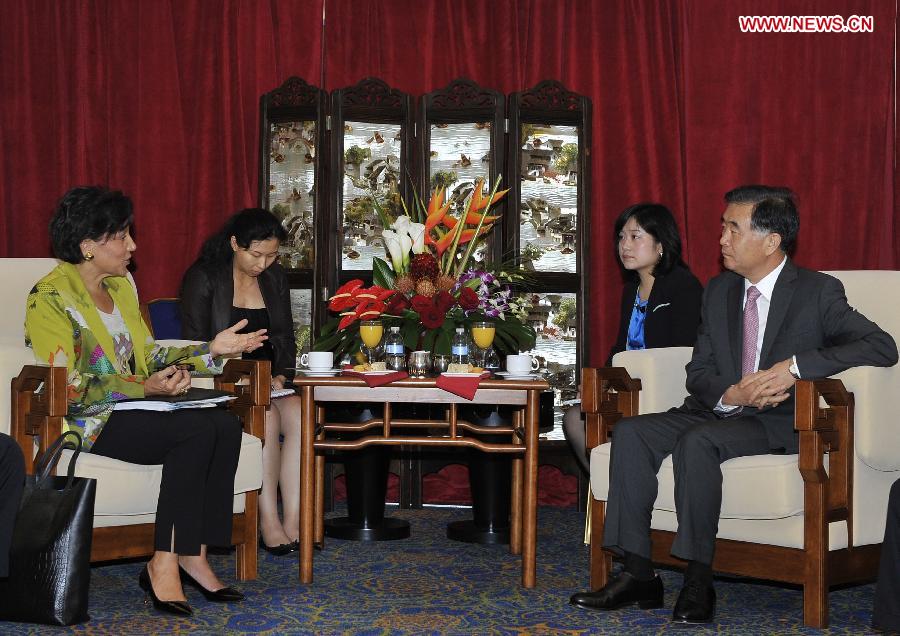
(463, 126)
(549, 146)
(301, 312)
(548, 226)
(371, 175)
(291, 188)
(371, 127)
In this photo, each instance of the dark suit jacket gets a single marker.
(207, 295)
(808, 317)
(673, 311)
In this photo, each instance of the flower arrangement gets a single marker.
(429, 288)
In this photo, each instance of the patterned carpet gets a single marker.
(429, 585)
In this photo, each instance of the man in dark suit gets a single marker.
(764, 324)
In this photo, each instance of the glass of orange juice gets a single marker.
(371, 331)
(483, 337)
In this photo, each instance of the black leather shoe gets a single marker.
(222, 595)
(622, 591)
(280, 550)
(696, 603)
(179, 608)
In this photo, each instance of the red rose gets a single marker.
(396, 305)
(468, 299)
(443, 301)
(421, 303)
(432, 318)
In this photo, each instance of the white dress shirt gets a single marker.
(766, 286)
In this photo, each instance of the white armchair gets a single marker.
(815, 519)
(125, 506)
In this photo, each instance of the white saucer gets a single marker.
(506, 375)
(317, 373)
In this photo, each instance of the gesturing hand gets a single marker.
(168, 381)
(228, 341)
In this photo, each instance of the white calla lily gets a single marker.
(417, 234)
(392, 242)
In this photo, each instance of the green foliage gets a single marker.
(567, 158)
(355, 155)
(567, 309)
(382, 274)
(443, 179)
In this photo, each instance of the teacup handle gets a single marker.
(304, 360)
(535, 364)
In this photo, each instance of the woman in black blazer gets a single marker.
(236, 276)
(660, 302)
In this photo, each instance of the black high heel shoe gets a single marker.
(179, 608)
(280, 550)
(222, 595)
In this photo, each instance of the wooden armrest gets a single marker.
(37, 408)
(253, 397)
(607, 395)
(827, 429)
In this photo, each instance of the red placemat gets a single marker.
(463, 386)
(376, 379)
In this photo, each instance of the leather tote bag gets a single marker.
(50, 556)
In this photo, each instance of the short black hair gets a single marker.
(248, 225)
(87, 212)
(657, 220)
(774, 210)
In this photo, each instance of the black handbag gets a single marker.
(50, 556)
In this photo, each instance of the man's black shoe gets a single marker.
(621, 591)
(696, 603)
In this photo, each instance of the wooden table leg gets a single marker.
(529, 503)
(307, 485)
(515, 504)
(320, 485)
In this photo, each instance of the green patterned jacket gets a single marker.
(63, 327)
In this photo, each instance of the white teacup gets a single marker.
(317, 360)
(521, 364)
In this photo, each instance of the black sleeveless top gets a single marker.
(256, 319)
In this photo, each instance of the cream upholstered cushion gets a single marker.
(127, 493)
(662, 376)
(756, 487)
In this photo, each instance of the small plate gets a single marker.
(506, 375)
(462, 375)
(385, 372)
(318, 374)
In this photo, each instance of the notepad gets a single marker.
(194, 399)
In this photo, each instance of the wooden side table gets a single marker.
(451, 432)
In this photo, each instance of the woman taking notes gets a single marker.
(84, 315)
(661, 299)
(237, 278)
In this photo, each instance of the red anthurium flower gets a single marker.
(432, 318)
(396, 305)
(345, 296)
(348, 319)
(421, 303)
(443, 301)
(468, 299)
(370, 309)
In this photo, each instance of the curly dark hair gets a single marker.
(251, 224)
(774, 211)
(87, 212)
(657, 220)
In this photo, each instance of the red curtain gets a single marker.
(160, 98)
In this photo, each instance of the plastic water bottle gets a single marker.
(459, 348)
(394, 353)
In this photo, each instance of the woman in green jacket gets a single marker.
(85, 315)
